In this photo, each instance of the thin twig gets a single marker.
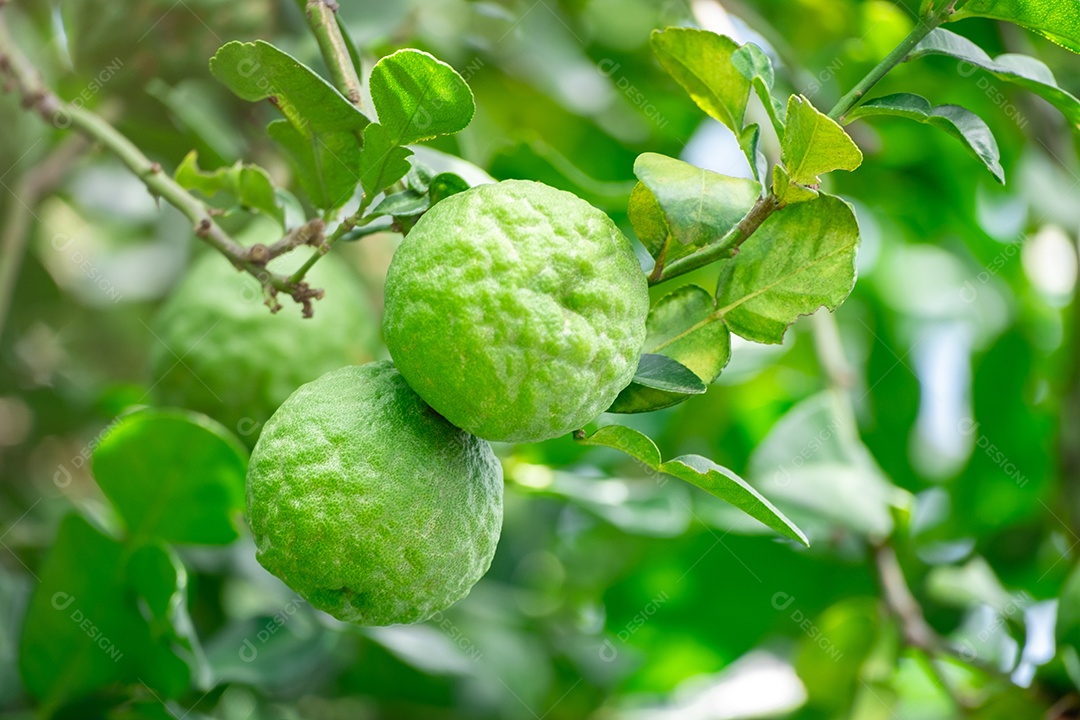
(25, 80)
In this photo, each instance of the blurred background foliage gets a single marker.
(614, 594)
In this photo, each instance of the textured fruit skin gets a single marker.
(516, 310)
(368, 503)
(239, 361)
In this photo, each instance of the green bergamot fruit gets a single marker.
(516, 310)
(220, 350)
(370, 504)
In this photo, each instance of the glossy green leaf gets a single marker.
(699, 471)
(325, 165)
(648, 220)
(1058, 20)
(959, 122)
(259, 71)
(444, 185)
(662, 373)
(635, 444)
(728, 486)
(697, 206)
(800, 259)
(173, 475)
(84, 627)
(419, 97)
(383, 162)
(407, 203)
(754, 65)
(243, 184)
(1022, 70)
(815, 144)
(682, 326)
(322, 130)
(701, 62)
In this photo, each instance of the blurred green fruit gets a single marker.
(222, 352)
(368, 503)
(516, 310)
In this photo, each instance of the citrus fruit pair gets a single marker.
(514, 312)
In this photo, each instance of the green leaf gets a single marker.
(444, 185)
(800, 259)
(728, 486)
(325, 164)
(259, 71)
(662, 373)
(84, 628)
(754, 65)
(959, 122)
(383, 162)
(173, 475)
(1058, 20)
(787, 192)
(419, 97)
(322, 130)
(697, 206)
(701, 62)
(814, 144)
(635, 444)
(682, 326)
(648, 220)
(699, 471)
(407, 203)
(243, 184)
(1022, 70)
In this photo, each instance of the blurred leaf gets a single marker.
(755, 66)
(259, 71)
(726, 485)
(635, 444)
(701, 62)
(242, 184)
(325, 166)
(419, 97)
(662, 373)
(1068, 614)
(1023, 70)
(173, 475)
(814, 462)
(815, 144)
(84, 628)
(973, 583)
(698, 206)
(1058, 20)
(382, 163)
(959, 122)
(831, 656)
(800, 259)
(682, 326)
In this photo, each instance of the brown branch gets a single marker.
(18, 75)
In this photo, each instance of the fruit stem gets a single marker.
(726, 247)
(925, 25)
(322, 17)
